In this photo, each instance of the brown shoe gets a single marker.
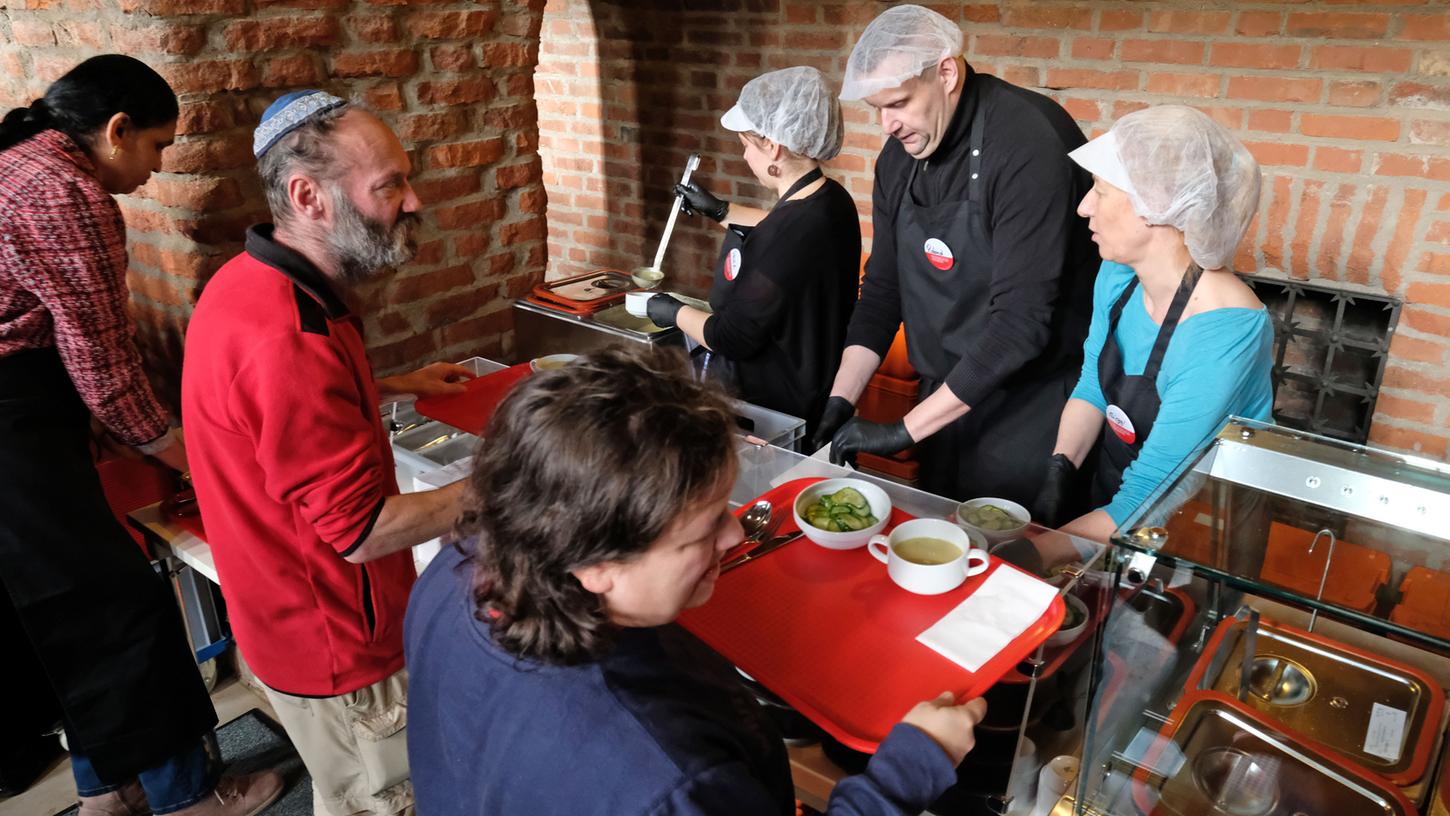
(239, 796)
(127, 800)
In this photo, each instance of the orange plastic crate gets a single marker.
(887, 399)
(1425, 602)
(1354, 577)
(905, 470)
(896, 364)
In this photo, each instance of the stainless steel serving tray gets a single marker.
(1380, 713)
(1217, 757)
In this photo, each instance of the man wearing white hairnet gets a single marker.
(1178, 343)
(977, 251)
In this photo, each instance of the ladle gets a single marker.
(650, 276)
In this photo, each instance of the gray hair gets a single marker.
(307, 149)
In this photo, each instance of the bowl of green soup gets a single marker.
(997, 520)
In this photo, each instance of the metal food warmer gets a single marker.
(584, 313)
(1276, 638)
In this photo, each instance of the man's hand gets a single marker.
(663, 310)
(432, 380)
(949, 724)
(863, 436)
(702, 201)
(835, 414)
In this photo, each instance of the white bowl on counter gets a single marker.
(1068, 634)
(1012, 508)
(637, 303)
(875, 496)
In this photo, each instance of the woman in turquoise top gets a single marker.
(1177, 343)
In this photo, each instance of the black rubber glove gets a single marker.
(663, 310)
(835, 414)
(863, 436)
(1047, 507)
(699, 200)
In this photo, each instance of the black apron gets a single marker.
(1132, 399)
(944, 262)
(103, 624)
(717, 367)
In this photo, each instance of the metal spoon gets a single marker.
(754, 520)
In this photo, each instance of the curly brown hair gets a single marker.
(586, 464)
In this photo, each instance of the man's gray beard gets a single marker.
(362, 247)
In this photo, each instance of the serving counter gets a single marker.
(1270, 637)
(1305, 665)
(1269, 633)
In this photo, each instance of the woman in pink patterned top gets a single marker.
(95, 619)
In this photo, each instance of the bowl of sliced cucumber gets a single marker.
(842, 514)
(997, 520)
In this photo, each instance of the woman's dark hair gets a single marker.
(84, 100)
(583, 465)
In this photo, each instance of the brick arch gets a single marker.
(628, 90)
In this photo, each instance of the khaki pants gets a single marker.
(355, 747)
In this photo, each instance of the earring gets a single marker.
(113, 151)
(773, 171)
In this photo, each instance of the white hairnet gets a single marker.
(896, 46)
(794, 108)
(1184, 170)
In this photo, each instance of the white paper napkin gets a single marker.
(981, 626)
(444, 476)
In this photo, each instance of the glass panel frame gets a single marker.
(1259, 492)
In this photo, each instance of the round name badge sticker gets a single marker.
(1121, 425)
(938, 254)
(732, 264)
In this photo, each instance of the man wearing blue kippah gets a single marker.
(293, 470)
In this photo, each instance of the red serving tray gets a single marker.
(828, 632)
(471, 410)
(191, 524)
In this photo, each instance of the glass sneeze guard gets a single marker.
(1303, 676)
(1304, 519)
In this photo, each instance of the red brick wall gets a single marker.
(1346, 104)
(455, 79)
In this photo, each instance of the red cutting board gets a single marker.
(471, 410)
(828, 632)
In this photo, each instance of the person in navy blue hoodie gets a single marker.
(547, 675)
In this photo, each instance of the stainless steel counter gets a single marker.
(539, 331)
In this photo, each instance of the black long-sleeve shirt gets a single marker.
(782, 322)
(1043, 258)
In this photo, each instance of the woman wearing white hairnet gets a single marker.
(785, 281)
(1177, 343)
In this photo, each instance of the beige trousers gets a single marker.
(355, 747)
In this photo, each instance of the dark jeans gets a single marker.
(178, 782)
